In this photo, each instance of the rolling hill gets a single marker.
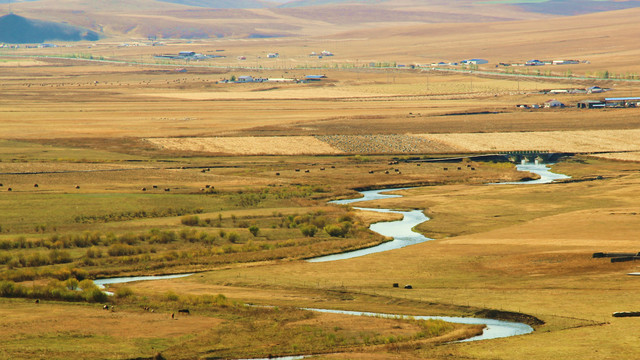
(278, 18)
(19, 30)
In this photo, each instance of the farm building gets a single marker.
(245, 79)
(553, 104)
(590, 104)
(594, 90)
(280, 80)
(315, 77)
(475, 61)
(623, 102)
(534, 63)
(565, 62)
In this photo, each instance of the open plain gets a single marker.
(113, 163)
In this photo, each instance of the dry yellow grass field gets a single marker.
(116, 128)
(291, 145)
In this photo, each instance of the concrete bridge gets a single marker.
(532, 156)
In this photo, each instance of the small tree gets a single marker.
(254, 230)
(233, 78)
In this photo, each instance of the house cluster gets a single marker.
(553, 103)
(322, 54)
(28, 46)
(461, 62)
(188, 55)
(536, 62)
(250, 79)
(619, 102)
(589, 90)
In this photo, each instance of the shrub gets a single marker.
(121, 250)
(93, 253)
(59, 257)
(254, 230)
(123, 292)
(95, 295)
(87, 285)
(309, 230)
(335, 230)
(233, 237)
(71, 284)
(171, 296)
(192, 220)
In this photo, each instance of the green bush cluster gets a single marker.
(140, 214)
(68, 290)
(53, 257)
(28, 274)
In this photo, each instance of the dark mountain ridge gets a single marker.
(16, 29)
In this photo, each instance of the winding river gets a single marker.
(401, 230)
(403, 235)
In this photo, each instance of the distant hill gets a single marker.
(222, 4)
(577, 7)
(305, 3)
(16, 29)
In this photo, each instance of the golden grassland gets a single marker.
(86, 134)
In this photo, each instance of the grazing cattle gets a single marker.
(77, 186)
(321, 169)
(277, 174)
(37, 301)
(207, 186)
(105, 307)
(35, 185)
(1, 185)
(173, 315)
(418, 164)
(203, 171)
(297, 170)
(370, 171)
(184, 311)
(9, 189)
(408, 287)
(306, 171)
(167, 189)
(386, 172)
(155, 186)
(395, 285)
(445, 169)
(459, 168)
(473, 169)
(333, 166)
